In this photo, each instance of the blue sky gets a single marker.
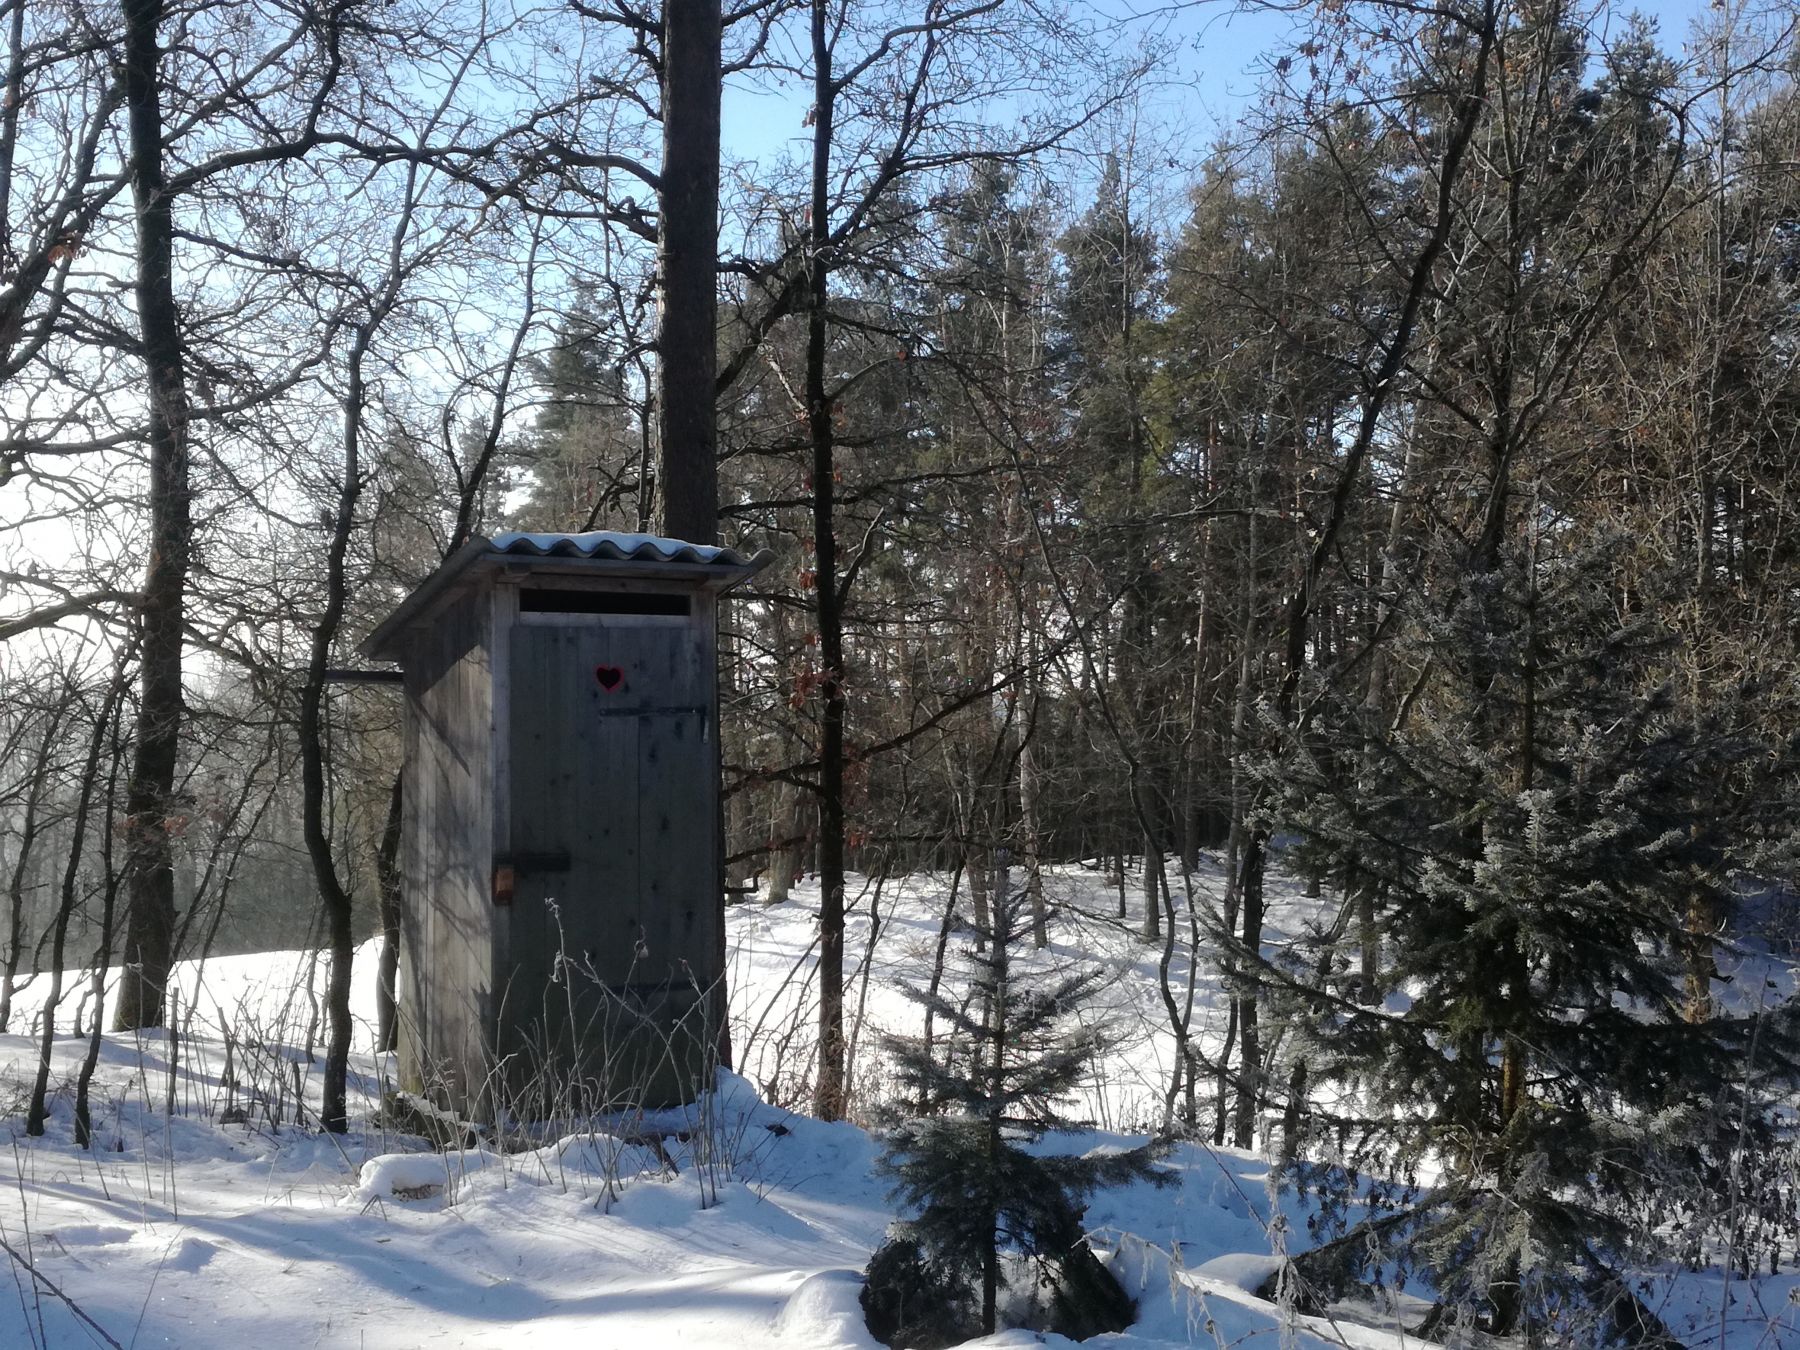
(1222, 46)
(1218, 50)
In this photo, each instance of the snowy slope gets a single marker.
(221, 1224)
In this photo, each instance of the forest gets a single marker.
(1382, 485)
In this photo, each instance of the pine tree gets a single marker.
(1539, 817)
(1112, 280)
(583, 454)
(965, 1166)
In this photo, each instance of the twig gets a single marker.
(50, 1284)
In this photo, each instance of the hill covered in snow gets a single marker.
(211, 1213)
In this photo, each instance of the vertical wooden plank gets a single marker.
(621, 784)
(413, 1012)
(492, 828)
(449, 741)
(706, 637)
(574, 785)
(678, 827)
(675, 830)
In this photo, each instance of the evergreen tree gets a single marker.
(1538, 818)
(985, 401)
(965, 1166)
(1111, 285)
(583, 455)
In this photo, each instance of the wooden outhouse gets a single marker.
(563, 879)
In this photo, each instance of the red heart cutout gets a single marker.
(611, 678)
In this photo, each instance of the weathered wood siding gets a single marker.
(612, 936)
(449, 805)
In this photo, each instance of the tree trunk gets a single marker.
(687, 244)
(996, 1094)
(28, 835)
(787, 824)
(784, 849)
(1200, 679)
(109, 913)
(828, 1091)
(1250, 904)
(1699, 924)
(945, 923)
(1222, 1096)
(335, 899)
(1152, 930)
(387, 876)
(38, 1110)
(1375, 700)
(687, 473)
(1030, 844)
(975, 863)
(149, 806)
(1237, 978)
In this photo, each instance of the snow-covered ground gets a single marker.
(222, 1223)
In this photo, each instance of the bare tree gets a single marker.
(162, 606)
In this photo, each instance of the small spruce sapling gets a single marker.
(963, 1164)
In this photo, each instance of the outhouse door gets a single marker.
(612, 824)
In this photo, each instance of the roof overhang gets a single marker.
(600, 555)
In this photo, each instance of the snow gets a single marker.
(1244, 1271)
(741, 1222)
(825, 1309)
(392, 1175)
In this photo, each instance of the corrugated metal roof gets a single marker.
(619, 547)
(705, 565)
